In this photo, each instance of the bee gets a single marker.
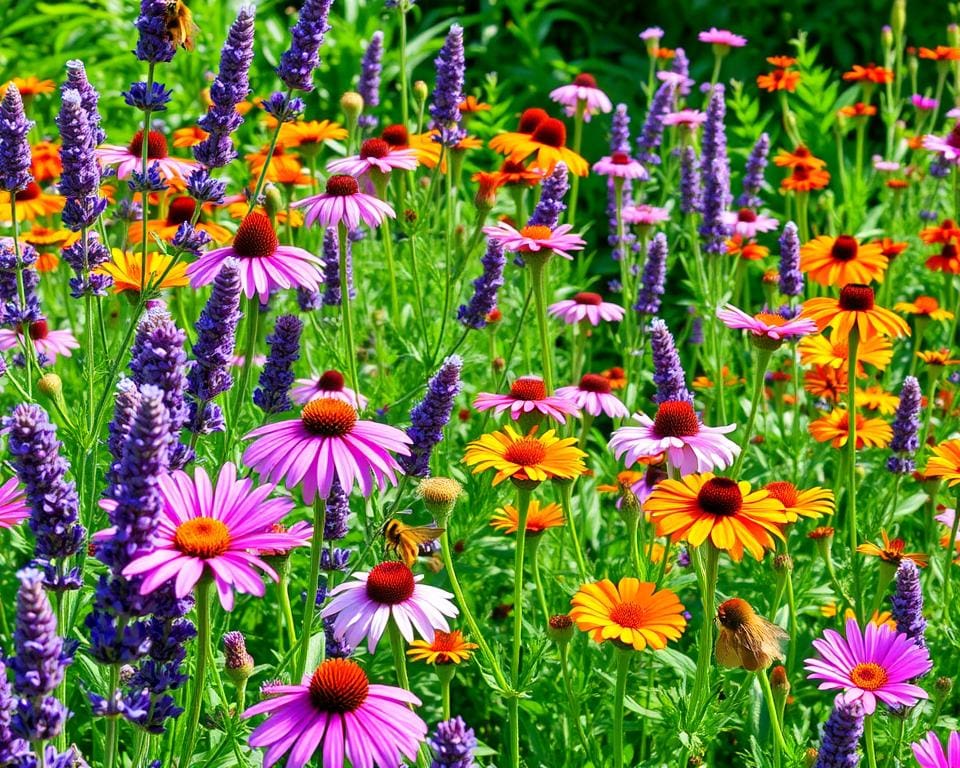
(747, 640)
(405, 539)
(180, 25)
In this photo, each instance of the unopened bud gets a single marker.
(498, 364)
(440, 496)
(942, 686)
(272, 202)
(352, 105)
(51, 385)
(783, 563)
(810, 757)
(778, 680)
(420, 92)
(560, 628)
(898, 18)
(238, 663)
(886, 36)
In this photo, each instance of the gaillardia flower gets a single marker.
(855, 308)
(525, 458)
(445, 648)
(811, 502)
(539, 518)
(841, 260)
(835, 426)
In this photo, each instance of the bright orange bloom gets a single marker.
(779, 80)
(632, 613)
(666, 53)
(896, 184)
(937, 357)
(189, 136)
(242, 107)
(869, 74)
(748, 251)
(782, 62)
(826, 383)
(948, 260)
(858, 110)
(812, 502)
(237, 209)
(30, 86)
(627, 477)
(834, 353)
(47, 262)
(308, 135)
(729, 380)
(800, 157)
(945, 462)
(428, 151)
(805, 179)
(892, 551)
(280, 161)
(40, 236)
(539, 519)
(946, 231)
(855, 308)
(891, 249)
(941, 53)
(45, 161)
(32, 203)
(729, 513)
(835, 426)
(525, 458)
(470, 104)
(879, 618)
(544, 136)
(616, 377)
(445, 648)
(924, 306)
(875, 398)
(841, 260)
(125, 269)
(180, 210)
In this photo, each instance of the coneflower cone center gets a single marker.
(328, 417)
(592, 382)
(949, 251)
(676, 419)
(868, 676)
(156, 145)
(341, 185)
(620, 158)
(630, 615)
(202, 537)
(720, 496)
(181, 210)
(592, 299)
(953, 139)
(331, 381)
(585, 80)
(377, 148)
(551, 132)
(856, 298)
(395, 136)
(526, 452)
(530, 119)
(844, 248)
(560, 621)
(746, 215)
(255, 237)
(30, 192)
(390, 583)
(528, 388)
(37, 330)
(734, 613)
(339, 685)
(784, 492)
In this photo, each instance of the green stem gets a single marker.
(346, 312)
(566, 496)
(868, 740)
(538, 265)
(572, 705)
(445, 679)
(763, 360)
(523, 505)
(619, 697)
(633, 526)
(316, 544)
(399, 659)
(249, 353)
(710, 558)
(266, 163)
(541, 594)
(934, 371)
(779, 745)
(199, 678)
(418, 291)
(404, 105)
(112, 735)
(287, 610)
(853, 346)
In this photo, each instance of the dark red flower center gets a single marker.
(784, 492)
(328, 417)
(620, 158)
(202, 537)
(551, 132)
(342, 185)
(338, 685)
(720, 496)
(528, 388)
(948, 224)
(156, 145)
(949, 251)
(181, 209)
(30, 192)
(374, 148)
(844, 248)
(255, 237)
(592, 382)
(331, 381)
(587, 81)
(509, 166)
(745, 214)
(676, 418)
(593, 299)
(38, 330)
(395, 136)
(390, 583)
(856, 297)
(953, 139)
(530, 119)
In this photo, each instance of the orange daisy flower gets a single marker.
(529, 458)
(729, 380)
(841, 260)
(891, 249)
(879, 618)
(875, 398)
(748, 251)
(827, 383)
(280, 161)
(45, 161)
(855, 308)
(812, 502)
(782, 62)
(445, 648)
(947, 261)
(779, 80)
(47, 262)
(941, 53)
(938, 357)
(728, 513)
(632, 613)
(539, 518)
(835, 426)
(946, 231)
(892, 552)
(180, 210)
(547, 139)
(804, 179)
(896, 184)
(616, 377)
(513, 174)
(666, 53)
(309, 135)
(858, 110)
(924, 306)
(470, 105)
(125, 267)
(800, 157)
(40, 236)
(945, 462)
(29, 86)
(869, 74)
(189, 136)
(835, 353)
(32, 203)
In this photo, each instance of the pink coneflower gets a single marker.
(651, 33)
(644, 215)
(342, 202)
(328, 441)
(130, 158)
(336, 709)
(875, 663)
(13, 504)
(238, 360)
(361, 608)
(953, 114)
(207, 531)
(46, 342)
(622, 166)
(532, 239)
(947, 147)
(375, 155)
(748, 223)
(582, 89)
(946, 517)
(677, 79)
(586, 306)
(327, 384)
(528, 395)
(885, 166)
(929, 751)
(924, 103)
(593, 395)
(723, 37)
(265, 265)
(769, 325)
(691, 119)
(677, 432)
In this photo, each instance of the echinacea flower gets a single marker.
(593, 395)
(676, 432)
(337, 709)
(929, 751)
(810, 502)
(841, 260)
(265, 264)
(209, 531)
(126, 269)
(539, 518)
(586, 306)
(327, 442)
(130, 158)
(870, 664)
(327, 384)
(892, 551)
(733, 517)
(13, 504)
(582, 91)
(723, 37)
(620, 165)
(644, 215)
(46, 342)
(633, 613)
(855, 308)
(536, 238)
(342, 202)
(835, 427)
(690, 119)
(945, 462)
(528, 395)
(445, 648)
(375, 155)
(362, 607)
(529, 458)
(748, 223)
(947, 147)
(766, 326)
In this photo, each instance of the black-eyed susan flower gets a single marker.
(855, 308)
(835, 427)
(444, 648)
(525, 458)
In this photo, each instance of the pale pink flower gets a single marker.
(532, 239)
(327, 384)
(46, 342)
(725, 37)
(622, 166)
(375, 155)
(676, 79)
(528, 395)
(586, 306)
(947, 147)
(748, 223)
(130, 158)
(644, 215)
(593, 395)
(886, 166)
(343, 203)
(768, 325)
(651, 33)
(691, 119)
(582, 89)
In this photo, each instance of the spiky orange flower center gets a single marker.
(926, 304)
(784, 492)
(331, 381)
(341, 185)
(202, 537)
(374, 148)
(444, 642)
(530, 119)
(537, 232)
(856, 298)
(390, 583)
(585, 80)
(675, 419)
(526, 452)
(630, 615)
(592, 382)
(720, 496)
(734, 613)
(770, 318)
(156, 145)
(528, 388)
(822, 532)
(327, 417)
(395, 136)
(560, 621)
(551, 132)
(338, 685)
(844, 248)
(747, 215)
(593, 299)
(868, 676)
(255, 237)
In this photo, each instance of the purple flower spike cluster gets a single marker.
(906, 428)
(298, 62)
(907, 602)
(273, 394)
(331, 268)
(369, 85)
(453, 744)
(155, 43)
(485, 288)
(841, 735)
(619, 142)
(12, 311)
(681, 66)
(430, 416)
(648, 144)
(653, 282)
(551, 206)
(448, 94)
(691, 196)
(14, 142)
(338, 511)
(791, 278)
(667, 371)
(753, 174)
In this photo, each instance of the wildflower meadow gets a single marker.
(369, 399)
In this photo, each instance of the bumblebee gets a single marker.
(405, 539)
(180, 25)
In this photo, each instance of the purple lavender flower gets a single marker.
(369, 85)
(654, 278)
(430, 416)
(81, 171)
(619, 142)
(336, 648)
(907, 602)
(151, 181)
(14, 145)
(273, 394)
(841, 735)
(189, 239)
(753, 174)
(12, 312)
(667, 371)
(939, 168)
(147, 99)
(203, 188)
(11, 748)
(448, 93)
(338, 511)
(89, 98)
(309, 300)
(651, 135)
(336, 559)
(714, 229)
(283, 108)
(331, 268)
(791, 278)
(485, 288)
(691, 197)
(713, 148)
(550, 206)
(235, 652)
(155, 43)
(681, 66)
(453, 744)
(906, 427)
(298, 62)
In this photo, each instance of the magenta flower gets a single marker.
(361, 608)
(46, 342)
(527, 395)
(13, 504)
(265, 265)
(747, 222)
(130, 158)
(651, 33)
(328, 441)
(885, 166)
(207, 531)
(929, 751)
(871, 664)
(375, 155)
(691, 119)
(582, 89)
(724, 37)
(947, 147)
(924, 103)
(534, 238)
(593, 395)
(586, 306)
(676, 431)
(768, 325)
(327, 384)
(644, 215)
(343, 203)
(336, 709)
(621, 166)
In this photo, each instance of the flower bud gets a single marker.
(560, 628)
(439, 496)
(942, 686)
(238, 663)
(420, 92)
(272, 202)
(898, 18)
(51, 385)
(886, 35)
(783, 563)
(352, 105)
(779, 681)
(810, 756)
